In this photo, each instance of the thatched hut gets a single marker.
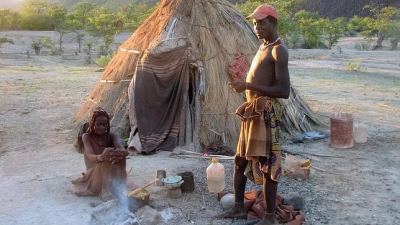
(211, 33)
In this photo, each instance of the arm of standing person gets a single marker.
(281, 86)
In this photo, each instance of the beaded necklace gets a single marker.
(263, 47)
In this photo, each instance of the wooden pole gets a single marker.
(197, 112)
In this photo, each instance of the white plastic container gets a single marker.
(215, 176)
(360, 133)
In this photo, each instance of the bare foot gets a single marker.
(237, 212)
(268, 219)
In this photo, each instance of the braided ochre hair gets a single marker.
(97, 113)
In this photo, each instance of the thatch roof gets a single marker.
(216, 32)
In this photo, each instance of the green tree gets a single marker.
(88, 47)
(355, 24)
(9, 19)
(310, 26)
(44, 42)
(134, 15)
(58, 17)
(394, 34)
(59, 23)
(104, 24)
(287, 24)
(381, 23)
(79, 39)
(333, 30)
(34, 15)
(81, 14)
(78, 20)
(248, 7)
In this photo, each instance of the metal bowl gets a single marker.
(172, 182)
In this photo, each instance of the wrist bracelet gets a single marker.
(246, 85)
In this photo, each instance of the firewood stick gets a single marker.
(129, 171)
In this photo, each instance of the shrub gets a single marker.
(44, 42)
(5, 40)
(363, 46)
(36, 46)
(104, 60)
(355, 65)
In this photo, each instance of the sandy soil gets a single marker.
(41, 94)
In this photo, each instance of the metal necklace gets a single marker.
(263, 47)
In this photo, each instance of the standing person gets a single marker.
(258, 146)
(105, 160)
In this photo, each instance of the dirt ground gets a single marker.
(41, 94)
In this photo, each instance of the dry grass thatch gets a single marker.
(216, 32)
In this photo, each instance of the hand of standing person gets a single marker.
(238, 86)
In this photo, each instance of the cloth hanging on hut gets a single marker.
(238, 68)
(161, 81)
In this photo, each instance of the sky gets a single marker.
(9, 3)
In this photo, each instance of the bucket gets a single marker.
(360, 133)
(341, 130)
(138, 199)
(188, 182)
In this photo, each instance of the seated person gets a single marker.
(105, 160)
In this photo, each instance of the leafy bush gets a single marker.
(104, 60)
(355, 65)
(294, 39)
(5, 40)
(44, 42)
(363, 46)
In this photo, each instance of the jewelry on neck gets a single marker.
(263, 47)
(101, 141)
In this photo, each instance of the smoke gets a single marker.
(112, 212)
(120, 210)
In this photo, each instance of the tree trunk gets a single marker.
(60, 41)
(378, 45)
(393, 44)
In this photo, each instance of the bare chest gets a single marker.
(262, 70)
